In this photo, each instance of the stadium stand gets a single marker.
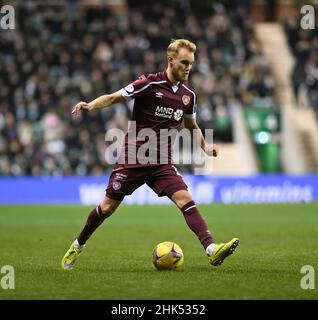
(59, 55)
(287, 50)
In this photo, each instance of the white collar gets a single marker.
(175, 88)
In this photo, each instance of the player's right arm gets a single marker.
(133, 90)
(99, 103)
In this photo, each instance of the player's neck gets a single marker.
(171, 77)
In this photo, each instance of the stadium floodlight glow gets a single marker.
(262, 137)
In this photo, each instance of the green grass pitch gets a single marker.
(276, 241)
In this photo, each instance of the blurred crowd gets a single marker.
(303, 44)
(59, 55)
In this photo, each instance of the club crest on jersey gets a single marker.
(116, 185)
(185, 99)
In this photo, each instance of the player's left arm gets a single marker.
(209, 149)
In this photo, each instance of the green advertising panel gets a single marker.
(262, 119)
(264, 125)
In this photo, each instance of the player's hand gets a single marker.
(212, 150)
(81, 106)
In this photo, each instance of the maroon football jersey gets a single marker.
(158, 111)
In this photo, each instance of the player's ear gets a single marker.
(170, 59)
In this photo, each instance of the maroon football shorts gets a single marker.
(163, 179)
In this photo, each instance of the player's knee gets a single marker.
(108, 210)
(108, 206)
(181, 198)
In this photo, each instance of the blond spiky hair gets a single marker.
(176, 44)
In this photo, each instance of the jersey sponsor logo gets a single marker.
(129, 88)
(177, 115)
(185, 99)
(166, 112)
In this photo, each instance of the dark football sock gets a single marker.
(95, 219)
(197, 224)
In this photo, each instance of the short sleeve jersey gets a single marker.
(159, 106)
